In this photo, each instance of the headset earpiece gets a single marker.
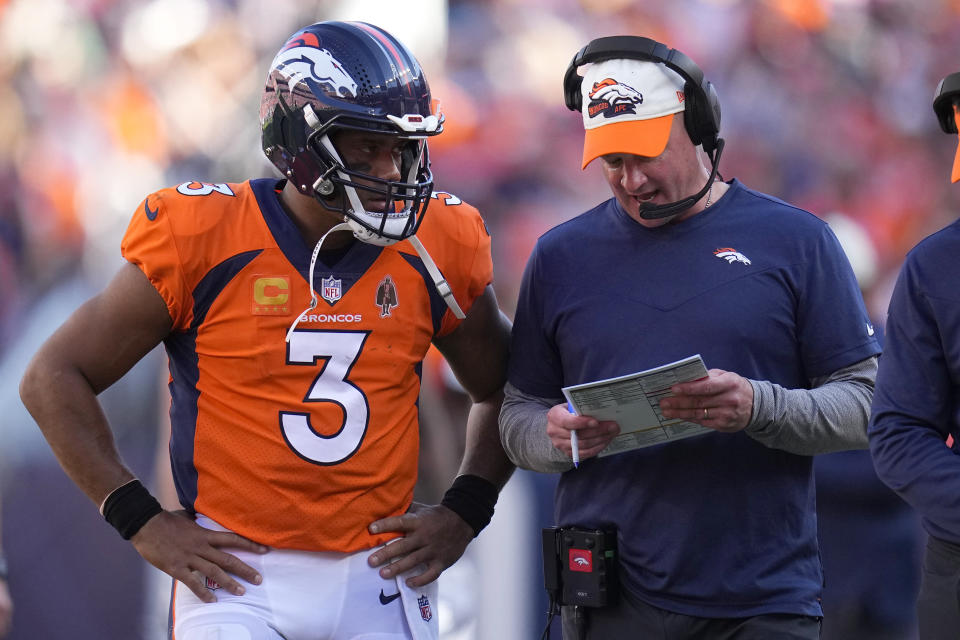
(947, 93)
(571, 85)
(702, 111)
(702, 116)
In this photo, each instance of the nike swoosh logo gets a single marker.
(151, 213)
(385, 599)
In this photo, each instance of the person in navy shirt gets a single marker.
(916, 410)
(717, 533)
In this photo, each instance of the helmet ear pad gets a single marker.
(290, 130)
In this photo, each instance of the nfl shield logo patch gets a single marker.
(331, 289)
(425, 611)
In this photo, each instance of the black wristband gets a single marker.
(4, 571)
(129, 507)
(473, 499)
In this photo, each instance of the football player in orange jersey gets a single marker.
(296, 314)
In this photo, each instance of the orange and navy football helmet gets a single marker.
(332, 76)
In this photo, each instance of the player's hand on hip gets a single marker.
(593, 435)
(175, 544)
(722, 401)
(433, 536)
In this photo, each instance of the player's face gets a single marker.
(671, 176)
(375, 154)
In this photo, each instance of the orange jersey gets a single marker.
(297, 445)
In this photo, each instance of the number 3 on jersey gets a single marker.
(340, 349)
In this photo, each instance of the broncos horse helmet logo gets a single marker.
(612, 98)
(731, 255)
(304, 61)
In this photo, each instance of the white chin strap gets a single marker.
(393, 225)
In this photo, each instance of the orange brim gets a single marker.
(638, 137)
(956, 160)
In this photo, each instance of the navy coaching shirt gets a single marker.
(717, 525)
(917, 401)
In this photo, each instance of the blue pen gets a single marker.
(574, 442)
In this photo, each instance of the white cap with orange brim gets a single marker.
(628, 107)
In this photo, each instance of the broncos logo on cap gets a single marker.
(305, 61)
(612, 98)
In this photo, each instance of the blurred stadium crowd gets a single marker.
(826, 104)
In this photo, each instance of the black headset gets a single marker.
(702, 107)
(946, 95)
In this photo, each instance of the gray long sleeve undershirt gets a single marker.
(832, 416)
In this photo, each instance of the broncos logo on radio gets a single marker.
(305, 61)
(612, 98)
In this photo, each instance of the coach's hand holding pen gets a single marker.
(578, 437)
(574, 442)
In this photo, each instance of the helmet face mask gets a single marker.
(397, 205)
(338, 77)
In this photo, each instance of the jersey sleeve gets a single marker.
(149, 243)
(833, 326)
(463, 252)
(478, 276)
